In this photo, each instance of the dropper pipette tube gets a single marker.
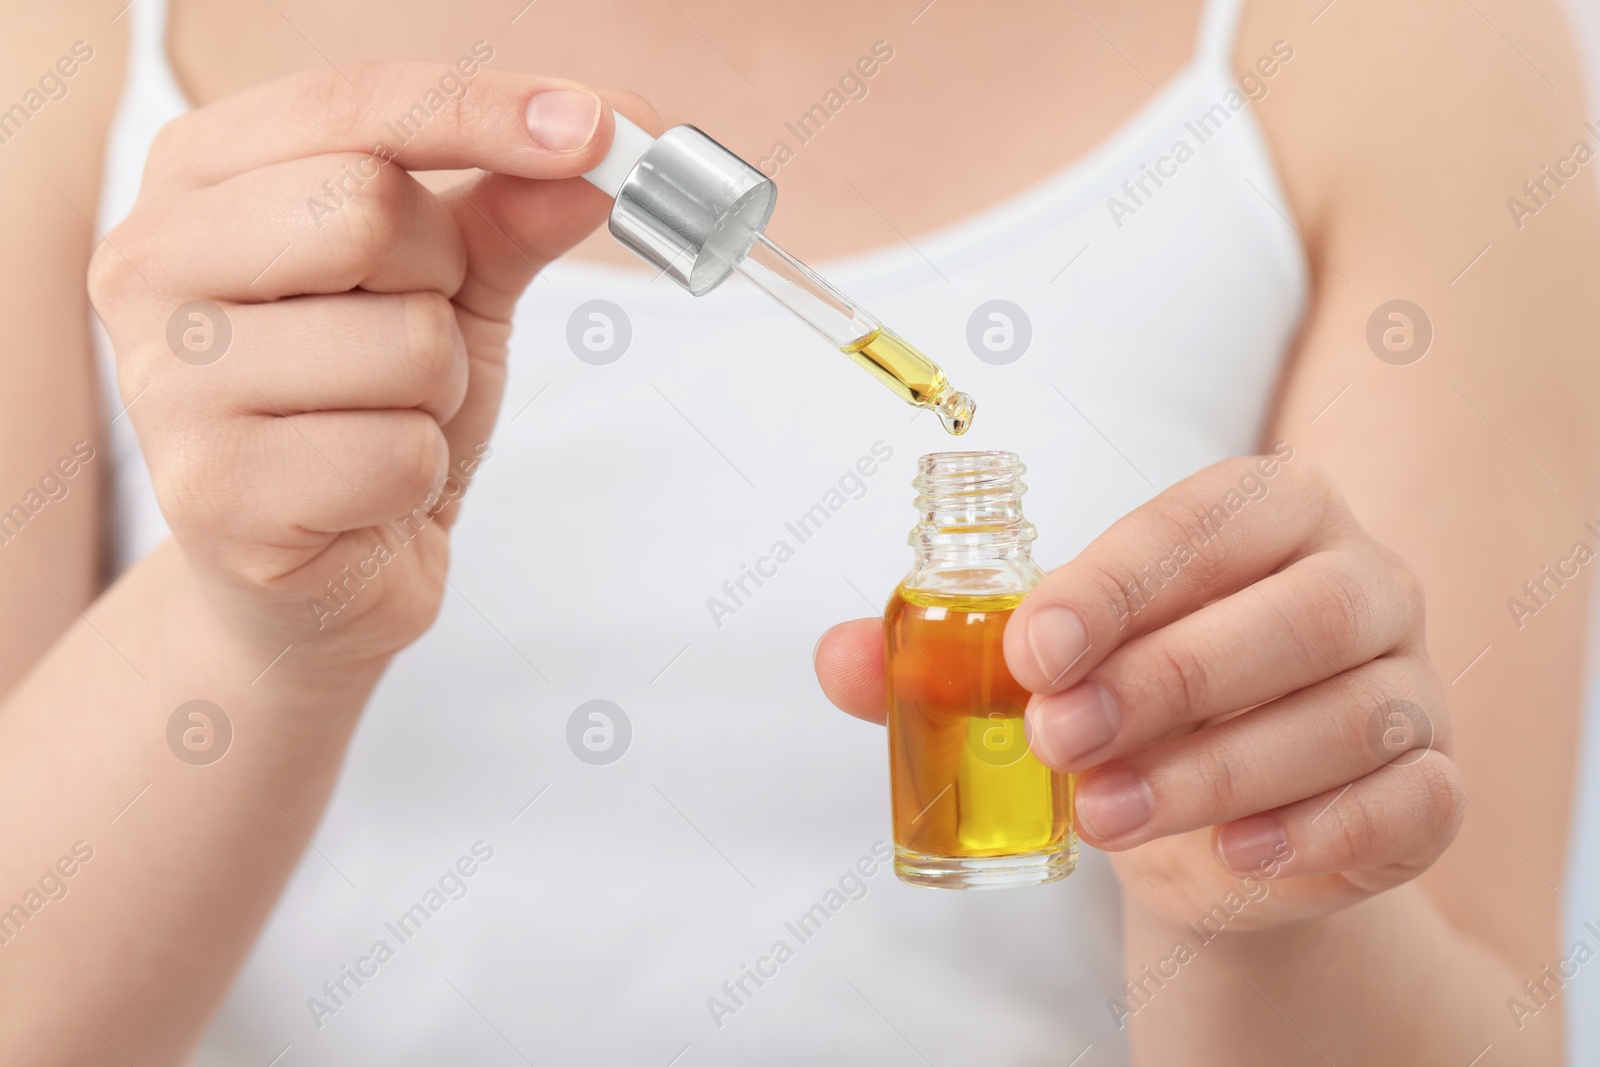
(697, 212)
(851, 329)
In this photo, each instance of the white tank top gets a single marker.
(626, 906)
(1581, 885)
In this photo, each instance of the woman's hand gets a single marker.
(1238, 673)
(312, 345)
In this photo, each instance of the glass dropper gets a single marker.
(847, 326)
(697, 212)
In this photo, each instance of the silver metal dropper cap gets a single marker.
(691, 208)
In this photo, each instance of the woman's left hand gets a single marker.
(1238, 672)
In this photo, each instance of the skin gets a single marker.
(1427, 967)
(1417, 903)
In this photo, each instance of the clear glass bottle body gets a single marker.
(973, 808)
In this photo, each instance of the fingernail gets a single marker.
(1252, 844)
(1114, 804)
(1058, 639)
(563, 120)
(1074, 723)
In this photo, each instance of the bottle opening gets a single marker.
(959, 462)
(970, 498)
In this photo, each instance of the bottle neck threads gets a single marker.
(969, 506)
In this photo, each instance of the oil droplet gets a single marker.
(955, 411)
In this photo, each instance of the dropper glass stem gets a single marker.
(695, 211)
(797, 287)
(848, 327)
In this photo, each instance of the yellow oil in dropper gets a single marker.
(909, 374)
(697, 212)
(913, 377)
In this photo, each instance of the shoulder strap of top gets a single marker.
(149, 68)
(1219, 28)
(148, 32)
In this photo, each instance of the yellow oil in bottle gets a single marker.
(913, 377)
(965, 784)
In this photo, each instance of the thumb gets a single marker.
(849, 662)
(513, 228)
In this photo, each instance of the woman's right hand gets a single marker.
(312, 345)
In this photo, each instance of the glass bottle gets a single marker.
(973, 807)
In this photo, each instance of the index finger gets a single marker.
(423, 116)
(1210, 535)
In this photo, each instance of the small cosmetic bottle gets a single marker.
(973, 807)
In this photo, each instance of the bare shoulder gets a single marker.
(64, 67)
(54, 53)
(1386, 102)
(1438, 152)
